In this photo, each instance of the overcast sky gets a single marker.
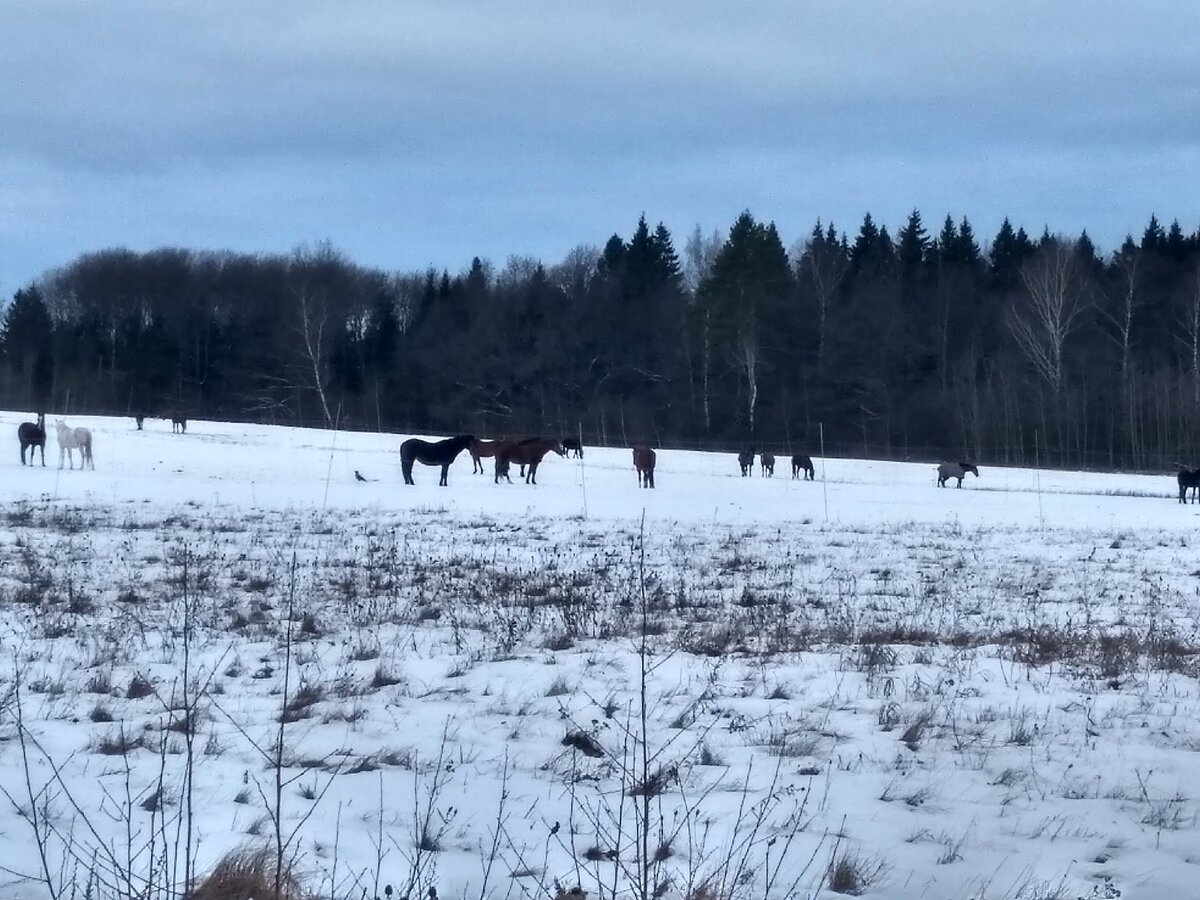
(411, 133)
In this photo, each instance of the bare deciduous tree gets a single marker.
(1049, 309)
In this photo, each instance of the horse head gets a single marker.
(557, 447)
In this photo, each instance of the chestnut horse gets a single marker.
(525, 453)
(480, 449)
(643, 460)
(432, 453)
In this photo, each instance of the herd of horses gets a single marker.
(529, 452)
(801, 463)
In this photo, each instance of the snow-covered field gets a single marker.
(977, 693)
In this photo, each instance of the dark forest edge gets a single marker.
(914, 346)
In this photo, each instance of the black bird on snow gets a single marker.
(358, 475)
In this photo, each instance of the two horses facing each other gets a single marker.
(948, 470)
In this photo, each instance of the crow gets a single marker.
(358, 475)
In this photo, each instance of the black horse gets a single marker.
(801, 462)
(439, 453)
(746, 461)
(573, 447)
(33, 436)
(1188, 479)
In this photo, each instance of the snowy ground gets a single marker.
(987, 692)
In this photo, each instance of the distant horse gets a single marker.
(33, 436)
(140, 419)
(643, 460)
(525, 453)
(767, 461)
(435, 453)
(480, 449)
(746, 461)
(1188, 478)
(178, 424)
(957, 470)
(802, 463)
(74, 439)
(573, 447)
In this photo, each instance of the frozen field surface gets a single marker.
(788, 689)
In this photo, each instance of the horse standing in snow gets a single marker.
(74, 439)
(948, 470)
(767, 460)
(33, 436)
(643, 460)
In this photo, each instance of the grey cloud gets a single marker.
(414, 132)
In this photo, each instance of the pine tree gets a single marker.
(26, 342)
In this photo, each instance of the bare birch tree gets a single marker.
(1049, 309)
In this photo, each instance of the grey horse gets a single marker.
(948, 470)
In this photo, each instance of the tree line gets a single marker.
(918, 344)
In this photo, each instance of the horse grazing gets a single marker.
(643, 460)
(573, 447)
(526, 453)
(432, 453)
(767, 461)
(957, 470)
(33, 436)
(74, 439)
(802, 463)
(480, 449)
(746, 461)
(1188, 478)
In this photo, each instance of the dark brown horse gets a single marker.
(802, 462)
(573, 447)
(746, 461)
(178, 423)
(33, 436)
(643, 460)
(767, 460)
(525, 453)
(480, 450)
(432, 453)
(1189, 479)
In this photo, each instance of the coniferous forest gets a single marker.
(930, 342)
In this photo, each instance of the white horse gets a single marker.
(74, 438)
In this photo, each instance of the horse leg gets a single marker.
(531, 478)
(23, 455)
(445, 471)
(406, 467)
